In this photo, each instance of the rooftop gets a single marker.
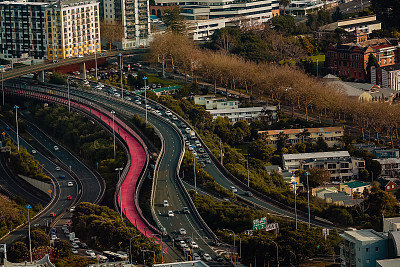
(182, 264)
(297, 131)
(228, 111)
(356, 184)
(316, 155)
(364, 235)
(388, 160)
(388, 263)
(393, 220)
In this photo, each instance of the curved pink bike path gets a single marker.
(138, 159)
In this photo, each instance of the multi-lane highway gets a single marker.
(167, 183)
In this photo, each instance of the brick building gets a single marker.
(350, 60)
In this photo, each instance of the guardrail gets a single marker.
(95, 107)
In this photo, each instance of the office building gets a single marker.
(134, 16)
(23, 30)
(331, 135)
(365, 24)
(206, 16)
(339, 163)
(304, 7)
(73, 28)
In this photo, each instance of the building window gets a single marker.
(376, 248)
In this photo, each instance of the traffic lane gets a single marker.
(51, 170)
(91, 187)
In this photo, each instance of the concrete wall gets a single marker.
(42, 186)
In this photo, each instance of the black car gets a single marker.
(219, 258)
(83, 245)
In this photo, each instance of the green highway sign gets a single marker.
(259, 224)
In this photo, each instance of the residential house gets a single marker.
(331, 135)
(387, 185)
(321, 191)
(341, 199)
(352, 187)
(304, 7)
(390, 167)
(364, 92)
(212, 102)
(339, 163)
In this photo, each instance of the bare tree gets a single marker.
(112, 31)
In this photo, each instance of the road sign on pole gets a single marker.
(259, 224)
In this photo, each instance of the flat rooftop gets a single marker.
(317, 155)
(364, 235)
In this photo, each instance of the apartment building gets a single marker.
(350, 60)
(23, 29)
(339, 163)
(212, 102)
(390, 167)
(134, 16)
(331, 135)
(206, 16)
(268, 114)
(304, 7)
(73, 28)
(365, 24)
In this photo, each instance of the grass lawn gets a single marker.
(321, 59)
(154, 78)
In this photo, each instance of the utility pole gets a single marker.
(113, 114)
(145, 96)
(16, 122)
(28, 207)
(308, 199)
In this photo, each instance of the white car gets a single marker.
(170, 213)
(58, 168)
(138, 102)
(168, 113)
(193, 244)
(207, 257)
(182, 231)
(55, 148)
(127, 98)
(174, 117)
(34, 151)
(89, 252)
(196, 257)
(182, 243)
(70, 184)
(75, 245)
(74, 251)
(165, 203)
(233, 189)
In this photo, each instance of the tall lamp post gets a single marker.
(145, 95)
(234, 242)
(130, 247)
(248, 172)
(162, 253)
(295, 202)
(2, 82)
(308, 199)
(28, 207)
(277, 252)
(16, 122)
(194, 173)
(113, 114)
(121, 67)
(120, 185)
(69, 99)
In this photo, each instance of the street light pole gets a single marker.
(28, 207)
(2, 82)
(308, 199)
(162, 253)
(122, 87)
(295, 202)
(69, 99)
(248, 173)
(277, 253)
(145, 96)
(113, 114)
(120, 185)
(234, 242)
(16, 121)
(194, 173)
(130, 247)
(95, 57)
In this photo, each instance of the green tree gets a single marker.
(284, 23)
(364, 175)
(38, 238)
(58, 78)
(174, 20)
(285, 4)
(63, 247)
(18, 252)
(260, 150)
(317, 177)
(337, 15)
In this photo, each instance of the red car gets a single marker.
(52, 214)
(69, 197)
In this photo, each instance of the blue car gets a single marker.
(61, 176)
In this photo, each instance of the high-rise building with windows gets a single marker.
(206, 16)
(134, 17)
(22, 29)
(73, 28)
